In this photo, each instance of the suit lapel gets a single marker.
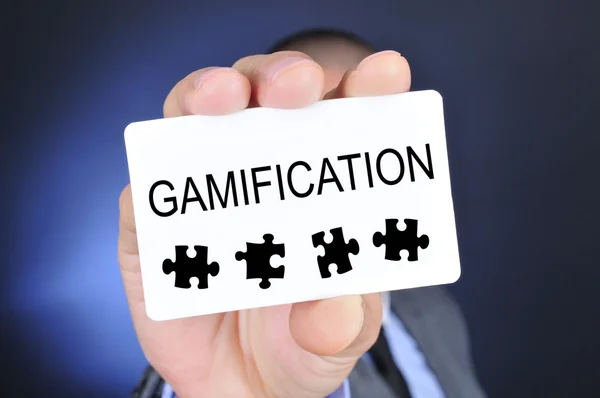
(366, 382)
(431, 318)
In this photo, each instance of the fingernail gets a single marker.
(378, 54)
(204, 76)
(286, 64)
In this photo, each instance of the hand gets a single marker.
(305, 350)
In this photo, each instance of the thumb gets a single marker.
(344, 327)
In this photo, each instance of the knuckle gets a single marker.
(125, 199)
(291, 54)
(247, 60)
(170, 101)
(126, 216)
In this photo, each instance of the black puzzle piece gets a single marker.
(396, 240)
(337, 252)
(190, 267)
(258, 260)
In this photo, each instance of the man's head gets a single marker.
(336, 51)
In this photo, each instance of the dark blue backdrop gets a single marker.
(520, 81)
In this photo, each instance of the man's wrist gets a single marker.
(152, 385)
(342, 392)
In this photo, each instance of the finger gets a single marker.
(166, 344)
(344, 326)
(208, 91)
(382, 73)
(127, 233)
(285, 79)
(128, 250)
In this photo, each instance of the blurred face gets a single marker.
(334, 54)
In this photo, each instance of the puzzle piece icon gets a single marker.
(258, 260)
(337, 252)
(189, 267)
(396, 240)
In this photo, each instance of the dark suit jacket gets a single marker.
(436, 323)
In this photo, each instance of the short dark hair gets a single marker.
(318, 33)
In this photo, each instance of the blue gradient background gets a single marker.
(521, 89)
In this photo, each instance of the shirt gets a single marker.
(421, 381)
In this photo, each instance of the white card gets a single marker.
(286, 175)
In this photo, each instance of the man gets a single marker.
(325, 348)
